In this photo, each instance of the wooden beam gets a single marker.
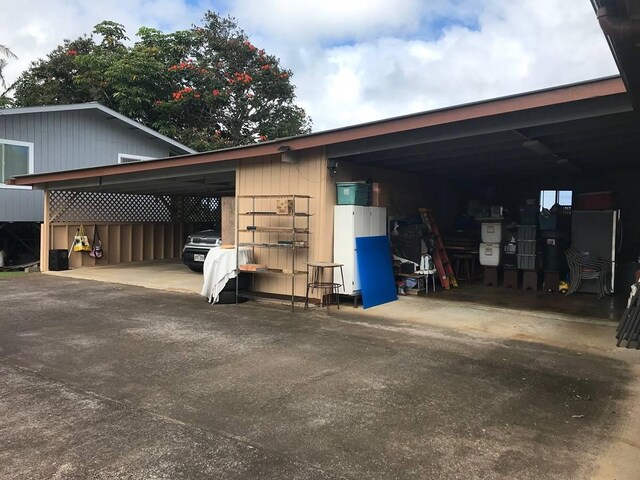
(45, 234)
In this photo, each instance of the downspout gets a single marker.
(618, 27)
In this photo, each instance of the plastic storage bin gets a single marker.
(527, 247)
(528, 215)
(58, 260)
(492, 232)
(553, 258)
(527, 232)
(352, 193)
(526, 262)
(548, 222)
(490, 254)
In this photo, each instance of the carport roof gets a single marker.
(489, 135)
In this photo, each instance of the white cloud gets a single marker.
(516, 47)
(359, 60)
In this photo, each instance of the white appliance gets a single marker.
(350, 222)
(596, 233)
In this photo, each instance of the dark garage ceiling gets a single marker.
(580, 138)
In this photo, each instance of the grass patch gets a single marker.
(4, 275)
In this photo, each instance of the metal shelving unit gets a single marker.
(296, 236)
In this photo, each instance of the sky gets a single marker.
(356, 61)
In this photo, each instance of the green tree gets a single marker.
(5, 55)
(207, 86)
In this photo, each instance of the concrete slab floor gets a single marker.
(101, 380)
(171, 275)
(584, 305)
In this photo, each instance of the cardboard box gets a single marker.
(284, 206)
(379, 195)
(253, 267)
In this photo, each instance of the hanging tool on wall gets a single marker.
(440, 257)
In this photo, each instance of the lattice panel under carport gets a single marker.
(95, 207)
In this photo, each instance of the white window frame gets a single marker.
(31, 162)
(557, 195)
(140, 158)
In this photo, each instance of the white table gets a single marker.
(219, 267)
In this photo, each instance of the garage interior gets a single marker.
(580, 154)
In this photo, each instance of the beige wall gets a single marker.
(270, 176)
(121, 242)
(404, 194)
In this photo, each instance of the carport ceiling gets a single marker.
(584, 138)
(197, 180)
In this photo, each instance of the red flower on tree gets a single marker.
(180, 93)
(72, 53)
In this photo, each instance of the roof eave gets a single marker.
(530, 100)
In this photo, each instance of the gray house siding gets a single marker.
(21, 205)
(65, 141)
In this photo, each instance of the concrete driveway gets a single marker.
(109, 381)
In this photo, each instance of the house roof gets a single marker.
(181, 148)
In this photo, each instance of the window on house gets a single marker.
(129, 158)
(548, 198)
(16, 158)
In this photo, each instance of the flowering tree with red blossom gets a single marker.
(208, 87)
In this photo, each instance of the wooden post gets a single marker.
(45, 233)
(228, 219)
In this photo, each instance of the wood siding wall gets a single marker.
(270, 176)
(66, 141)
(122, 242)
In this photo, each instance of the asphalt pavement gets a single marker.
(109, 381)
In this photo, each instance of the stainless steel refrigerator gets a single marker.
(596, 233)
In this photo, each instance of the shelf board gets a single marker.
(274, 196)
(276, 271)
(270, 245)
(276, 230)
(273, 214)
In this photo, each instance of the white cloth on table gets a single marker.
(219, 267)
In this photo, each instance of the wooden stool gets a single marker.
(491, 276)
(463, 266)
(510, 279)
(530, 280)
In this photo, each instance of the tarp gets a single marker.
(219, 267)
(377, 284)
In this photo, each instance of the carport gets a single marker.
(582, 137)
(140, 215)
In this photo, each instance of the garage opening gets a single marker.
(511, 213)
